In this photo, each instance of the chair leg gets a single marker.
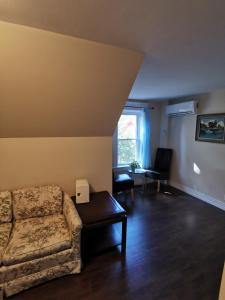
(158, 186)
(132, 194)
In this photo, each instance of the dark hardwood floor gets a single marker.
(175, 251)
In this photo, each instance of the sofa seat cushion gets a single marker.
(37, 237)
(5, 230)
(5, 207)
(37, 202)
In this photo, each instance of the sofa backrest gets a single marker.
(5, 207)
(37, 202)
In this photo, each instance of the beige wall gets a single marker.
(56, 85)
(208, 157)
(222, 286)
(34, 161)
(52, 85)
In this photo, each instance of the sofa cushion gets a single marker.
(37, 237)
(5, 230)
(37, 202)
(5, 207)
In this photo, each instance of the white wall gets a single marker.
(164, 123)
(155, 118)
(37, 161)
(208, 157)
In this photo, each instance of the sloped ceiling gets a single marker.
(56, 85)
(183, 40)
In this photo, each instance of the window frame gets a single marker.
(137, 113)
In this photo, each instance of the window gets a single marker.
(131, 140)
(127, 140)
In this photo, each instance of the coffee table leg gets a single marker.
(124, 234)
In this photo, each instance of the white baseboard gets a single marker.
(206, 198)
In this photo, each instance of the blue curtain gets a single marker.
(145, 136)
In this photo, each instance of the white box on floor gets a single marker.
(82, 191)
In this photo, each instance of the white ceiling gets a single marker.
(184, 40)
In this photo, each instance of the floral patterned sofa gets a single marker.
(39, 237)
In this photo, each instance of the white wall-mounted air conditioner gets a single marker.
(184, 108)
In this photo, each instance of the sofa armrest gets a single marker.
(73, 220)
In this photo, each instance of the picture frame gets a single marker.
(210, 128)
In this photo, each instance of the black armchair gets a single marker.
(161, 170)
(123, 182)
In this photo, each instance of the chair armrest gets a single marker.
(73, 219)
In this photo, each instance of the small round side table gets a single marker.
(140, 173)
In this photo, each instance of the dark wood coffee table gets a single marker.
(102, 210)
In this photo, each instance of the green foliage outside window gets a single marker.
(126, 151)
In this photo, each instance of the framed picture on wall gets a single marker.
(210, 128)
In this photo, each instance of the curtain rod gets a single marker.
(139, 107)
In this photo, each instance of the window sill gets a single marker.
(120, 167)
